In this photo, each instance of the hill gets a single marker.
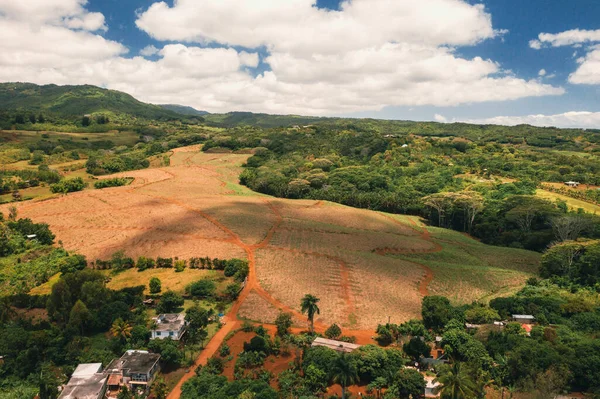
(75, 101)
(183, 109)
(364, 265)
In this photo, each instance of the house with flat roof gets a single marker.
(523, 318)
(169, 325)
(135, 369)
(87, 382)
(339, 346)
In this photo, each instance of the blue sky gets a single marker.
(266, 72)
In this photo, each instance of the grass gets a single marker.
(572, 203)
(466, 270)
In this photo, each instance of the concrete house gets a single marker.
(87, 382)
(135, 369)
(523, 318)
(169, 325)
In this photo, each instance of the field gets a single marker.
(365, 266)
(572, 203)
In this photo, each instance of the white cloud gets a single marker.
(589, 69)
(572, 37)
(149, 51)
(440, 118)
(542, 72)
(369, 55)
(574, 119)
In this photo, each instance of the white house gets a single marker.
(169, 325)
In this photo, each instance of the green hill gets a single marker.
(75, 101)
(183, 109)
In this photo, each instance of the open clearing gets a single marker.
(365, 266)
(572, 203)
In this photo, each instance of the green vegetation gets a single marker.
(114, 182)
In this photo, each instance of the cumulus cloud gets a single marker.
(149, 51)
(368, 55)
(567, 38)
(588, 71)
(542, 72)
(574, 119)
(440, 118)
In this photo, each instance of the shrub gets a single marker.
(68, 185)
(155, 285)
(333, 332)
(202, 288)
(224, 351)
(115, 182)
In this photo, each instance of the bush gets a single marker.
(202, 288)
(68, 186)
(144, 263)
(233, 291)
(155, 285)
(333, 332)
(224, 351)
(115, 182)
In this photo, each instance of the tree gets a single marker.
(283, 323)
(202, 288)
(41, 118)
(441, 202)
(124, 393)
(169, 301)
(12, 213)
(155, 285)
(416, 348)
(309, 306)
(568, 227)
(80, 316)
(560, 259)
(159, 389)
(472, 204)
(86, 121)
(344, 372)
(378, 385)
(408, 383)
(121, 330)
(436, 312)
(333, 332)
(198, 319)
(456, 383)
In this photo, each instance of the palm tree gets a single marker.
(121, 329)
(309, 306)
(456, 383)
(344, 372)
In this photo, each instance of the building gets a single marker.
(169, 325)
(339, 346)
(87, 382)
(431, 387)
(135, 369)
(572, 183)
(523, 318)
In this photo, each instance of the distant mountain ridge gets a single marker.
(183, 109)
(75, 101)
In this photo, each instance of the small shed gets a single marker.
(572, 183)
(339, 346)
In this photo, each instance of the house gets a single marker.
(523, 318)
(169, 325)
(87, 382)
(431, 387)
(572, 183)
(135, 369)
(339, 346)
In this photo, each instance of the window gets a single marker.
(158, 333)
(170, 333)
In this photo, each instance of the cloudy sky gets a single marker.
(497, 61)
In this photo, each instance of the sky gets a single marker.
(492, 61)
